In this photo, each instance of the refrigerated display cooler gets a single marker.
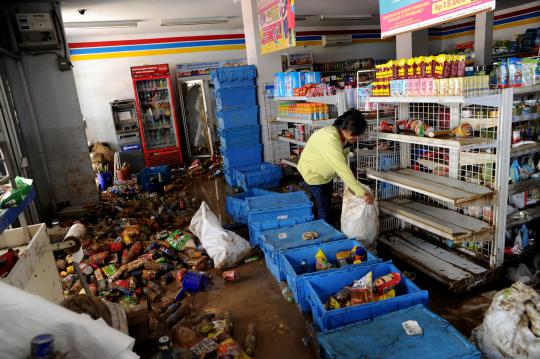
(160, 133)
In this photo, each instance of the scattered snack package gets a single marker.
(321, 262)
(344, 258)
(412, 327)
(387, 282)
(463, 130)
(362, 290)
(307, 236)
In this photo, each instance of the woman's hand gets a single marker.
(368, 198)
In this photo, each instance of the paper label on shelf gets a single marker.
(282, 235)
(282, 217)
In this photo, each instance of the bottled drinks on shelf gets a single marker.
(304, 111)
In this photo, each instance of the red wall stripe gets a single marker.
(78, 45)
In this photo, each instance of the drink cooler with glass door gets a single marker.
(157, 116)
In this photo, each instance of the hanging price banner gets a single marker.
(276, 25)
(399, 16)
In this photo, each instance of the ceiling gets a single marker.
(150, 13)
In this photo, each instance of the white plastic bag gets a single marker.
(511, 326)
(360, 220)
(25, 315)
(226, 248)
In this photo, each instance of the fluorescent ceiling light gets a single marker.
(197, 21)
(345, 17)
(101, 24)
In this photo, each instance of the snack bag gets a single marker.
(321, 262)
(463, 130)
(362, 290)
(438, 70)
(344, 258)
(388, 295)
(515, 71)
(419, 67)
(410, 68)
(387, 282)
(402, 69)
(515, 172)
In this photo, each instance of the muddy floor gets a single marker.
(281, 327)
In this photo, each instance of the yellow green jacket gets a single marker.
(324, 157)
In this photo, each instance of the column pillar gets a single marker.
(411, 44)
(266, 65)
(483, 38)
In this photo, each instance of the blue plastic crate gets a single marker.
(384, 337)
(239, 117)
(227, 77)
(229, 176)
(236, 204)
(274, 241)
(236, 97)
(149, 175)
(265, 175)
(241, 156)
(297, 274)
(256, 228)
(278, 206)
(320, 288)
(240, 137)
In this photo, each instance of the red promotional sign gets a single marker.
(399, 16)
(149, 70)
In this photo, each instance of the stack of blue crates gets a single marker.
(238, 118)
(278, 223)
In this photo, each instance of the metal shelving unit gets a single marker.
(337, 100)
(531, 211)
(442, 191)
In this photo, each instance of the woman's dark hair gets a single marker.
(353, 121)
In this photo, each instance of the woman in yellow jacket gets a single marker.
(325, 155)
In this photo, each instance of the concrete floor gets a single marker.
(280, 326)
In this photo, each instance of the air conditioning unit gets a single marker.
(336, 40)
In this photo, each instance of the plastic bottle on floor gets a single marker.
(251, 339)
(286, 292)
(167, 352)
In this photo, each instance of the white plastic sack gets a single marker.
(360, 220)
(511, 327)
(25, 315)
(226, 248)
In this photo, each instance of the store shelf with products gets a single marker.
(438, 176)
(466, 143)
(329, 100)
(292, 141)
(526, 149)
(293, 162)
(523, 216)
(527, 117)
(314, 123)
(299, 129)
(523, 186)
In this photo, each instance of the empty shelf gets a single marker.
(457, 272)
(455, 192)
(445, 223)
